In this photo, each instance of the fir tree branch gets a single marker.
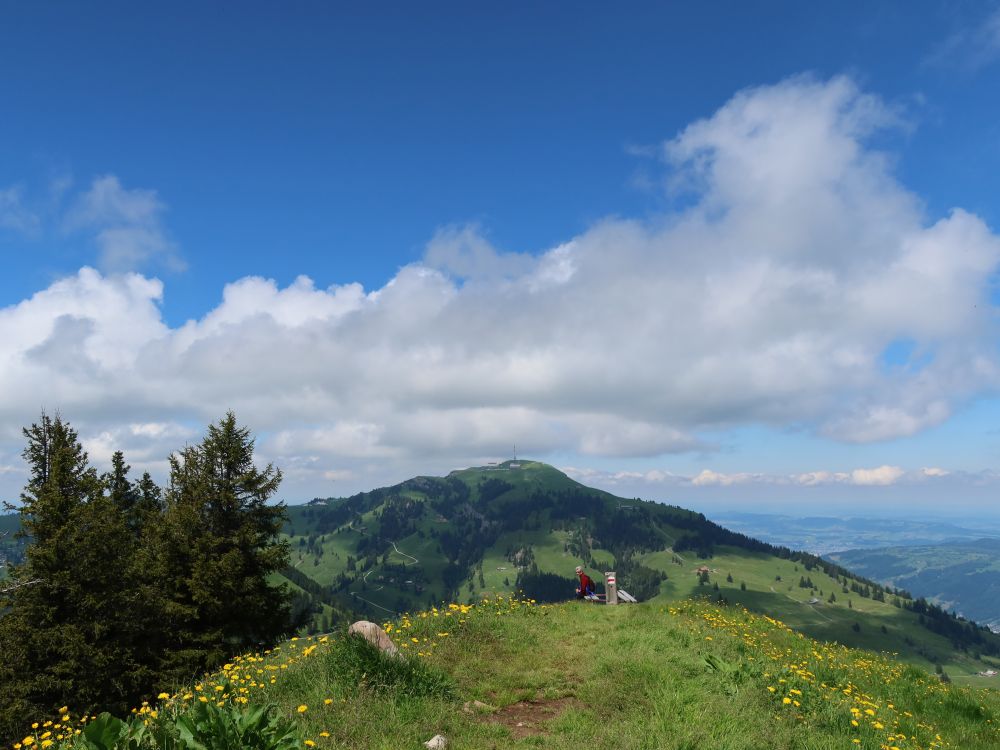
(20, 584)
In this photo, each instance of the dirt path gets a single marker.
(806, 604)
(364, 580)
(369, 601)
(415, 560)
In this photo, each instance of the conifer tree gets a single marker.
(217, 546)
(64, 639)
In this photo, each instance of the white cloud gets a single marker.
(128, 226)
(863, 477)
(768, 301)
(709, 477)
(881, 475)
(465, 253)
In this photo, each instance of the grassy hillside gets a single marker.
(964, 576)
(851, 619)
(418, 543)
(682, 677)
(484, 531)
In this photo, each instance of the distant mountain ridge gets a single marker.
(963, 576)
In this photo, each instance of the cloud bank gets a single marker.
(771, 299)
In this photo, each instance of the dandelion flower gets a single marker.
(302, 709)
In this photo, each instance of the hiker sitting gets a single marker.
(586, 587)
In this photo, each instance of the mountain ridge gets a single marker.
(525, 525)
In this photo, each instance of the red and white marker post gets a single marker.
(610, 588)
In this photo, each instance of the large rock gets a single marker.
(437, 742)
(374, 635)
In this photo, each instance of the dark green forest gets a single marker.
(127, 588)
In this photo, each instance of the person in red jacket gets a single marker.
(586, 587)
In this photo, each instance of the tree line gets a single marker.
(127, 588)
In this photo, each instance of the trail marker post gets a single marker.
(610, 588)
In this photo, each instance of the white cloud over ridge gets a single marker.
(769, 300)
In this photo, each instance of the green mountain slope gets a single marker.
(492, 530)
(963, 576)
(501, 674)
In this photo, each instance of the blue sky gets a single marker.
(571, 170)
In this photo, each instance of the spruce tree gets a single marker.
(65, 639)
(218, 544)
(139, 502)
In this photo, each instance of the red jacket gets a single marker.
(586, 584)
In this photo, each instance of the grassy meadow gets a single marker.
(851, 619)
(409, 574)
(685, 676)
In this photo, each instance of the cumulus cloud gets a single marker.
(768, 300)
(709, 477)
(878, 476)
(127, 225)
(464, 252)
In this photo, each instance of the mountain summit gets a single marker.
(523, 525)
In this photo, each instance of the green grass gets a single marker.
(826, 621)
(676, 677)
(851, 619)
